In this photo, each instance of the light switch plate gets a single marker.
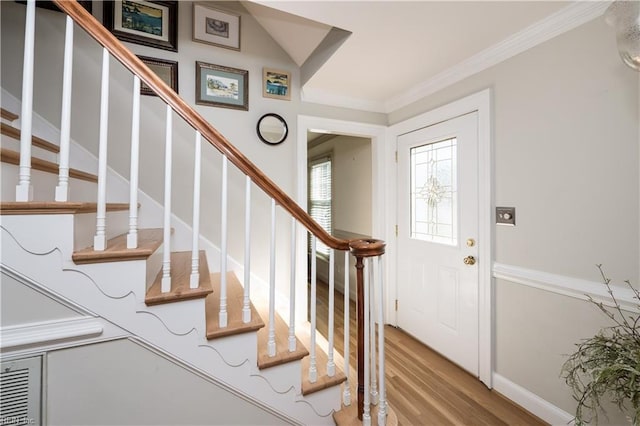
(506, 216)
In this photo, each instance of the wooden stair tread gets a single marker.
(235, 296)
(8, 115)
(282, 343)
(348, 415)
(323, 381)
(148, 242)
(180, 277)
(13, 157)
(55, 207)
(13, 132)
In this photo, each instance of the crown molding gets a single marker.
(576, 14)
(566, 19)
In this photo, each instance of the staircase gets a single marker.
(98, 254)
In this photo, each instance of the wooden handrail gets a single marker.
(96, 30)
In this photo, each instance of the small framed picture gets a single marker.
(276, 84)
(150, 23)
(221, 86)
(166, 70)
(217, 27)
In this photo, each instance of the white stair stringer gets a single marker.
(230, 360)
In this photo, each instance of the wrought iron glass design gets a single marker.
(434, 196)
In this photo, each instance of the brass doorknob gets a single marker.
(469, 260)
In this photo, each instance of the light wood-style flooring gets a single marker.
(423, 387)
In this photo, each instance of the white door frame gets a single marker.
(378, 136)
(480, 102)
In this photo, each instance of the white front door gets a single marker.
(437, 238)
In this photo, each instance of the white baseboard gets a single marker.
(530, 401)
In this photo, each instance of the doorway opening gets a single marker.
(339, 194)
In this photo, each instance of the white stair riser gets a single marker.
(44, 154)
(281, 376)
(85, 227)
(44, 185)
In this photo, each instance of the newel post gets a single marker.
(361, 249)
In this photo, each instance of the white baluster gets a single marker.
(271, 344)
(222, 315)
(166, 261)
(246, 307)
(372, 330)
(62, 190)
(366, 415)
(132, 236)
(100, 239)
(313, 369)
(292, 290)
(194, 278)
(331, 366)
(346, 393)
(24, 190)
(382, 404)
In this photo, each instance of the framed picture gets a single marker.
(222, 86)
(166, 70)
(276, 84)
(51, 6)
(151, 23)
(217, 27)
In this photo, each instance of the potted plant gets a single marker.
(606, 367)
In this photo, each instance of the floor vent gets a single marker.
(20, 391)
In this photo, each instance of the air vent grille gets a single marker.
(20, 388)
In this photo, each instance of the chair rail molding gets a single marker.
(47, 332)
(566, 286)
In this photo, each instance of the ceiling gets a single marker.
(399, 51)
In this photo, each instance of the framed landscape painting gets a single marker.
(221, 86)
(276, 84)
(150, 23)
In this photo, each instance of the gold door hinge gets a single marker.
(396, 230)
(396, 304)
(396, 156)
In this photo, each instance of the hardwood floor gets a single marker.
(423, 387)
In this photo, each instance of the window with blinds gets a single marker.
(320, 197)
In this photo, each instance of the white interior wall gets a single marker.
(21, 305)
(565, 120)
(125, 383)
